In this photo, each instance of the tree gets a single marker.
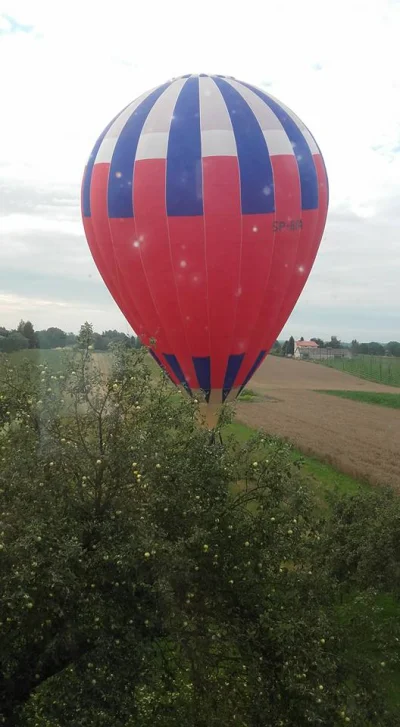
(27, 330)
(285, 348)
(276, 349)
(376, 349)
(15, 341)
(333, 343)
(290, 348)
(52, 337)
(355, 346)
(70, 339)
(357, 524)
(150, 577)
(100, 343)
(393, 348)
(115, 337)
(318, 341)
(302, 338)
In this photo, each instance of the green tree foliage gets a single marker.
(373, 348)
(70, 339)
(319, 342)
(111, 337)
(333, 343)
(150, 577)
(362, 541)
(276, 349)
(14, 341)
(291, 346)
(393, 348)
(52, 337)
(27, 330)
(376, 349)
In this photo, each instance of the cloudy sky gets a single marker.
(66, 73)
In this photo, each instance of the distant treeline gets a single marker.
(25, 337)
(373, 348)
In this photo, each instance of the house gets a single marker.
(302, 348)
(310, 350)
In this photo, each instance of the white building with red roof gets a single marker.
(310, 349)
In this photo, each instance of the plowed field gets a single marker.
(360, 439)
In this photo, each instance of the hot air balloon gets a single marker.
(204, 202)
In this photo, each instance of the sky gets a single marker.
(66, 73)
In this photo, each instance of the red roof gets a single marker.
(306, 344)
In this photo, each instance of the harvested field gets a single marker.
(360, 439)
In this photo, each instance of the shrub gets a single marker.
(247, 395)
(362, 543)
(151, 577)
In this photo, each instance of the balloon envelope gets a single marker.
(204, 202)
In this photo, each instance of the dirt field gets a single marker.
(357, 438)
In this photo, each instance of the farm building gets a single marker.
(311, 350)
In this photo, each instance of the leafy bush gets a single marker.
(362, 543)
(151, 577)
(247, 395)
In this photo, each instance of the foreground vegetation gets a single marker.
(381, 369)
(320, 477)
(151, 577)
(392, 401)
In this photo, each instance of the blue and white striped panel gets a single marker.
(194, 117)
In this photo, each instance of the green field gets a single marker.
(49, 357)
(54, 358)
(382, 369)
(392, 401)
(321, 476)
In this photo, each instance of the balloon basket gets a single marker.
(209, 416)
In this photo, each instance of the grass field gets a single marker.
(321, 476)
(382, 369)
(54, 358)
(353, 438)
(49, 357)
(392, 401)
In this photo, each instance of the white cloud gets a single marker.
(335, 63)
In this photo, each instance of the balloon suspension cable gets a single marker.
(216, 435)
